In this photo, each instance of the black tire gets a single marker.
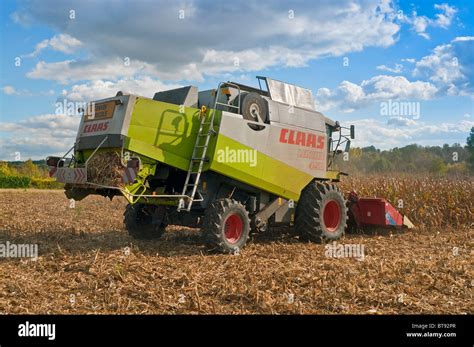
(226, 226)
(253, 107)
(142, 223)
(321, 213)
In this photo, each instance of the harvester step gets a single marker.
(211, 132)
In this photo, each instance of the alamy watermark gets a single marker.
(18, 250)
(72, 108)
(393, 108)
(348, 250)
(230, 155)
(28, 329)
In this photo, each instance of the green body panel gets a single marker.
(269, 174)
(160, 131)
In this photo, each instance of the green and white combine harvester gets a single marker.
(231, 160)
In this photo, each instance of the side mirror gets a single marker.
(348, 146)
(352, 132)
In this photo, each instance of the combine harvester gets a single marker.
(230, 160)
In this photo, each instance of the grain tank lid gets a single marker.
(187, 96)
(290, 94)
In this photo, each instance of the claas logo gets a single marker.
(300, 138)
(92, 128)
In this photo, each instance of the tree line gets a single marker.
(446, 160)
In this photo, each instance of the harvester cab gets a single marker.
(230, 160)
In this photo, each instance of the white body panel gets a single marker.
(303, 149)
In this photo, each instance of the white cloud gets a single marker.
(38, 136)
(401, 121)
(397, 69)
(180, 49)
(463, 38)
(349, 96)
(449, 70)
(61, 43)
(9, 90)
(392, 134)
(70, 70)
(57, 124)
(442, 20)
(450, 66)
(420, 24)
(101, 89)
(446, 16)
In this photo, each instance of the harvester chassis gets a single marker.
(169, 172)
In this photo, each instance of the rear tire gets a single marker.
(142, 223)
(321, 213)
(226, 226)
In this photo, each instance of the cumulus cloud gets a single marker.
(401, 121)
(101, 89)
(70, 70)
(443, 19)
(390, 134)
(174, 41)
(396, 69)
(35, 137)
(61, 43)
(450, 66)
(446, 16)
(9, 90)
(448, 70)
(349, 96)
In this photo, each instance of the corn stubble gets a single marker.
(105, 168)
(85, 254)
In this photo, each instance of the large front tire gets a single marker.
(226, 226)
(321, 213)
(143, 222)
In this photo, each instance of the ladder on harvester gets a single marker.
(198, 157)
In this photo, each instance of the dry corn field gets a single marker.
(88, 264)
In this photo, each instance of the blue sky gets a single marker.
(355, 56)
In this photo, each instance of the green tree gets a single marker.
(381, 165)
(438, 167)
(28, 168)
(470, 148)
(7, 170)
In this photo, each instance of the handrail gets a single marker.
(219, 87)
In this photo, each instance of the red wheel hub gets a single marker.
(331, 215)
(233, 228)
